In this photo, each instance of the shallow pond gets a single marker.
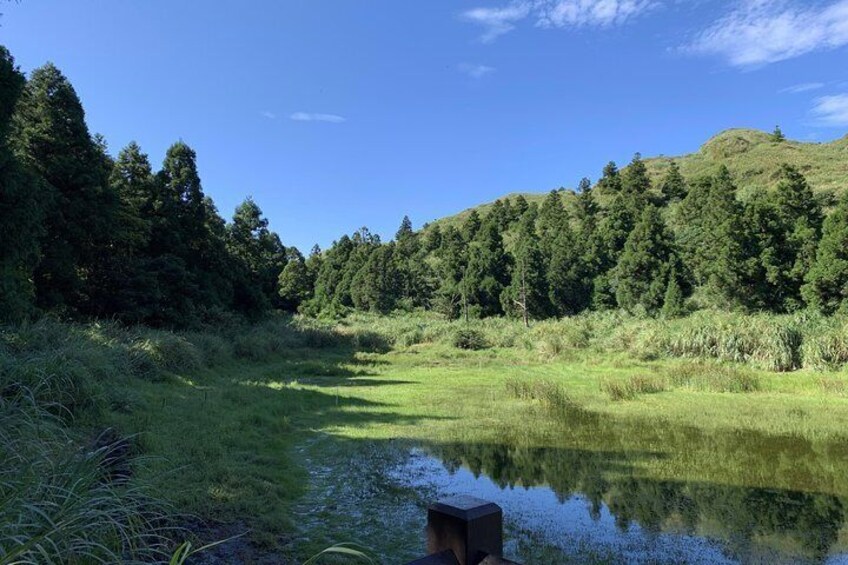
(649, 492)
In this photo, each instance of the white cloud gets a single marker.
(831, 110)
(602, 13)
(760, 32)
(556, 13)
(497, 21)
(803, 87)
(476, 71)
(269, 115)
(308, 117)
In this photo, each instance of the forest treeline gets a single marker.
(86, 234)
(651, 248)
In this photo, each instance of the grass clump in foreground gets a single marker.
(73, 489)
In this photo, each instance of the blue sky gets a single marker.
(339, 114)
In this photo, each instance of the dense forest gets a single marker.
(86, 234)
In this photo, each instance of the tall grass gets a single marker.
(60, 502)
(550, 394)
(765, 341)
(66, 496)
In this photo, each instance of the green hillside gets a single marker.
(752, 157)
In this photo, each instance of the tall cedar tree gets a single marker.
(527, 294)
(487, 273)
(415, 272)
(329, 275)
(569, 276)
(635, 181)
(714, 242)
(673, 185)
(520, 206)
(470, 226)
(674, 304)
(22, 200)
(295, 282)
(552, 218)
(452, 261)
(610, 183)
(606, 245)
(258, 248)
(377, 286)
(364, 244)
(125, 287)
(826, 287)
(51, 136)
(642, 273)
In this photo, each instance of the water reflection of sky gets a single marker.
(576, 525)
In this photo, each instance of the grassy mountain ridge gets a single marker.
(751, 156)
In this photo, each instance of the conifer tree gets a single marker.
(777, 135)
(520, 206)
(568, 275)
(552, 218)
(642, 273)
(415, 273)
(673, 300)
(52, 138)
(377, 284)
(714, 242)
(132, 178)
(586, 208)
(258, 248)
(452, 255)
(330, 274)
(610, 183)
(363, 244)
(826, 287)
(527, 296)
(487, 273)
(22, 199)
(313, 264)
(433, 238)
(673, 184)
(471, 226)
(634, 180)
(295, 283)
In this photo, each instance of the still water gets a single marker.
(649, 492)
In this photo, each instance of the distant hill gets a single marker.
(752, 157)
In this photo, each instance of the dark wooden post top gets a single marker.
(470, 527)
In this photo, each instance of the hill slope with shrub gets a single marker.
(752, 157)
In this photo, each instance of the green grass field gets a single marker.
(285, 431)
(239, 443)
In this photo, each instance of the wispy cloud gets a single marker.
(498, 21)
(583, 13)
(556, 14)
(831, 110)
(759, 32)
(803, 87)
(309, 117)
(476, 71)
(269, 115)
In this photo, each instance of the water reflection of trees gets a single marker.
(740, 516)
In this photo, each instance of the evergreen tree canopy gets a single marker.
(487, 273)
(642, 273)
(527, 294)
(52, 139)
(826, 287)
(22, 208)
(673, 185)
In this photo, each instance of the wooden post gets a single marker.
(470, 527)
